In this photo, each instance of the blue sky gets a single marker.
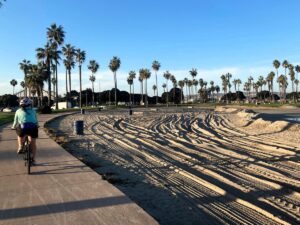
(214, 36)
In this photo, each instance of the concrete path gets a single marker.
(61, 189)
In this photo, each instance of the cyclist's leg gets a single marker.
(20, 134)
(33, 146)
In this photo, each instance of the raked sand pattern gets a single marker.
(198, 167)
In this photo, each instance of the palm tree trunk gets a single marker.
(167, 94)
(129, 94)
(156, 87)
(80, 87)
(93, 94)
(146, 97)
(49, 83)
(133, 91)
(56, 87)
(142, 92)
(70, 88)
(67, 86)
(115, 78)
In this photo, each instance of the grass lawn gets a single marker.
(6, 117)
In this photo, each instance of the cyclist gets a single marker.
(26, 123)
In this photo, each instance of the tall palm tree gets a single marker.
(181, 85)
(155, 67)
(53, 81)
(13, 82)
(24, 66)
(270, 80)
(141, 82)
(93, 79)
(282, 79)
(285, 65)
(132, 75)
(37, 74)
(22, 83)
(69, 53)
(217, 90)
(292, 77)
(114, 65)
(167, 76)
(297, 68)
(193, 73)
(56, 36)
(130, 82)
(93, 67)
(80, 58)
(154, 89)
(174, 82)
(69, 64)
(228, 76)
(164, 87)
(145, 74)
(186, 81)
(296, 83)
(195, 83)
(45, 55)
(212, 88)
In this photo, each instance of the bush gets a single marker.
(45, 110)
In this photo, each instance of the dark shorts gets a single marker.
(32, 132)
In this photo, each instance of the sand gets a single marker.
(202, 167)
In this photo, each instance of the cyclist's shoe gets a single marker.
(20, 150)
(33, 162)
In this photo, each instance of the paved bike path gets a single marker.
(61, 189)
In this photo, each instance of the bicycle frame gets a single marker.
(27, 154)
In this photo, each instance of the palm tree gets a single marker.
(69, 52)
(217, 90)
(225, 85)
(13, 82)
(164, 87)
(24, 66)
(292, 77)
(181, 85)
(155, 67)
(130, 82)
(141, 82)
(37, 74)
(22, 83)
(53, 81)
(195, 83)
(194, 73)
(145, 74)
(174, 81)
(114, 65)
(296, 83)
(186, 81)
(132, 75)
(154, 90)
(297, 68)
(56, 36)
(93, 67)
(80, 58)
(167, 76)
(93, 79)
(285, 65)
(270, 79)
(45, 55)
(282, 79)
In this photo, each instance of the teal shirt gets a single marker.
(22, 117)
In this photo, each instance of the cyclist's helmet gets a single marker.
(25, 102)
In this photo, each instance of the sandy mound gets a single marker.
(226, 110)
(247, 114)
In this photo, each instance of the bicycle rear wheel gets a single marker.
(27, 155)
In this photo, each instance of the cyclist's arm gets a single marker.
(15, 121)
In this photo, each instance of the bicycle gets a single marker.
(27, 155)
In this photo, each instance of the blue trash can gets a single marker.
(82, 111)
(78, 127)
